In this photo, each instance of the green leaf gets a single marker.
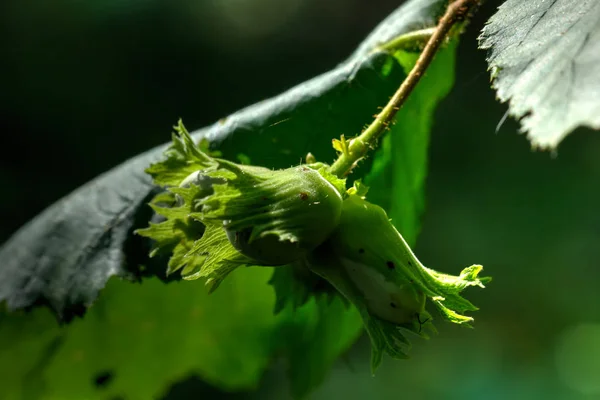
(145, 346)
(314, 338)
(295, 285)
(544, 60)
(148, 336)
(397, 178)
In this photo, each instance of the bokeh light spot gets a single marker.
(578, 358)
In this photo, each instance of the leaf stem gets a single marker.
(408, 41)
(358, 147)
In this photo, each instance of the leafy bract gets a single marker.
(545, 62)
(381, 276)
(221, 215)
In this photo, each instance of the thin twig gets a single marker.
(358, 146)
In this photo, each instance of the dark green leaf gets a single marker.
(64, 256)
(545, 62)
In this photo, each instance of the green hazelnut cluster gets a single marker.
(219, 215)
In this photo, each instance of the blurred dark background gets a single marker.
(87, 84)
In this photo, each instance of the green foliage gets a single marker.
(148, 336)
(313, 338)
(365, 259)
(143, 337)
(544, 60)
(295, 284)
(152, 334)
(79, 258)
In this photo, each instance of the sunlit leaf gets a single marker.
(545, 61)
